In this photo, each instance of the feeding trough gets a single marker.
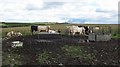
(99, 37)
(17, 44)
(100, 33)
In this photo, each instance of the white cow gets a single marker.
(10, 34)
(13, 34)
(52, 31)
(18, 34)
(97, 28)
(43, 28)
(73, 29)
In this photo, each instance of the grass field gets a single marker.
(59, 49)
(25, 30)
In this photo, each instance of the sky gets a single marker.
(71, 11)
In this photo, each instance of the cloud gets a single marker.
(49, 5)
(44, 5)
(73, 11)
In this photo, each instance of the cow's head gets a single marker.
(12, 32)
(49, 27)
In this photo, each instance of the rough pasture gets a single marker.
(60, 49)
(51, 48)
(62, 27)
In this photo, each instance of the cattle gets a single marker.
(87, 29)
(58, 31)
(52, 31)
(40, 28)
(10, 34)
(13, 34)
(80, 26)
(97, 27)
(79, 29)
(18, 34)
(34, 28)
(43, 28)
(75, 29)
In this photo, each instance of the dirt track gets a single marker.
(107, 52)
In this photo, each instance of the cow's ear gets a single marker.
(88, 27)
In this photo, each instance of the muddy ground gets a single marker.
(107, 52)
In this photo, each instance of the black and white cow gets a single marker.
(40, 28)
(87, 29)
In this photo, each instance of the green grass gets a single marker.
(3, 24)
(43, 57)
(11, 59)
(23, 30)
(26, 29)
(78, 52)
(116, 36)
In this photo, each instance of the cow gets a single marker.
(75, 29)
(11, 34)
(59, 31)
(34, 28)
(97, 27)
(18, 34)
(52, 31)
(87, 29)
(43, 28)
(40, 28)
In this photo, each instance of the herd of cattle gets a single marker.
(14, 34)
(71, 30)
(43, 28)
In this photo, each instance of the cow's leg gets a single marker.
(86, 32)
(69, 33)
(32, 32)
(78, 33)
(82, 32)
(39, 30)
(73, 33)
(46, 30)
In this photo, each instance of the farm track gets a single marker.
(107, 52)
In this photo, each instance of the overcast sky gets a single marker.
(72, 11)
